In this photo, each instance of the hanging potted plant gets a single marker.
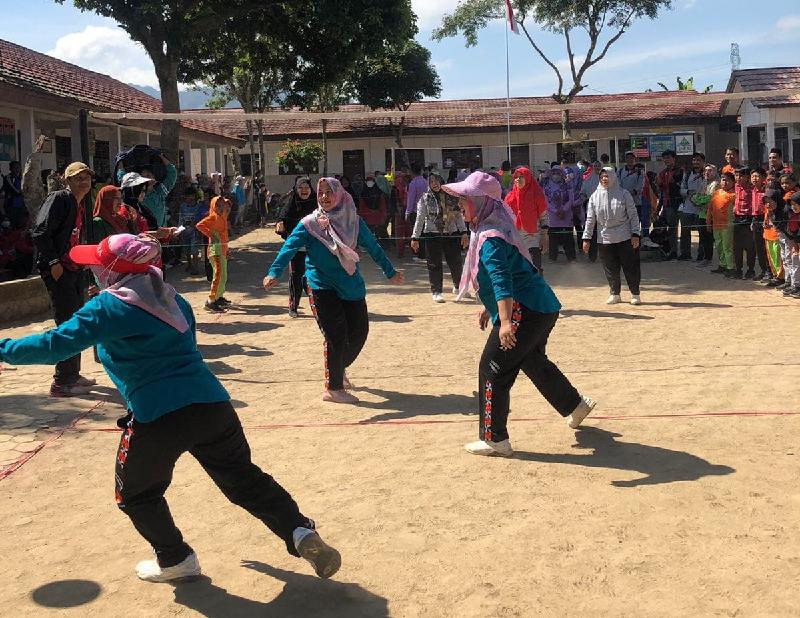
(299, 157)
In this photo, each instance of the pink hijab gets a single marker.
(146, 290)
(338, 228)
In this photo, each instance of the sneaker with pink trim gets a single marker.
(341, 396)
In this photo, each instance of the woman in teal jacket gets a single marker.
(145, 337)
(522, 309)
(336, 288)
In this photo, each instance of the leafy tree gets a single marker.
(306, 61)
(172, 31)
(600, 22)
(687, 85)
(395, 78)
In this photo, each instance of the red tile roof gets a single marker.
(30, 70)
(773, 78)
(476, 121)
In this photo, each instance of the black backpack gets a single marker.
(141, 155)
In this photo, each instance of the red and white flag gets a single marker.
(512, 23)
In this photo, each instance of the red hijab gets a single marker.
(104, 208)
(527, 203)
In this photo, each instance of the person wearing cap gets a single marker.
(145, 337)
(336, 290)
(522, 310)
(57, 229)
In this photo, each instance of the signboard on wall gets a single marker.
(8, 140)
(660, 143)
(640, 145)
(684, 144)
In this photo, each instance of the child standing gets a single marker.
(791, 262)
(742, 222)
(758, 178)
(789, 186)
(719, 216)
(215, 227)
(771, 239)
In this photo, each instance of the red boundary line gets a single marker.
(472, 420)
(26, 457)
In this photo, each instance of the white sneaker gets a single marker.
(646, 242)
(583, 409)
(437, 298)
(324, 558)
(490, 449)
(341, 396)
(149, 571)
(613, 299)
(636, 299)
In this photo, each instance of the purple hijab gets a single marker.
(337, 228)
(493, 220)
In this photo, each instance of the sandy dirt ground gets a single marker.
(681, 497)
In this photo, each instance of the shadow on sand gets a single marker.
(657, 465)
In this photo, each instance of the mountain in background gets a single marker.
(190, 99)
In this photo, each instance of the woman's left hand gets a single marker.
(635, 242)
(465, 241)
(587, 245)
(399, 278)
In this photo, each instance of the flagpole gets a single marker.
(508, 98)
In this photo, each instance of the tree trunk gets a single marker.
(397, 129)
(324, 147)
(566, 135)
(252, 143)
(261, 149)
(167, 73)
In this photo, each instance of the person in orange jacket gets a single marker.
(215, 227)
(719, 219)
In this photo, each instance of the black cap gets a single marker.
(795, 197)
(771, 194)
(668, 153)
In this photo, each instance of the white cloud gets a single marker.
(109, 51)
(444, 64)
(430, 12)
(788, 22)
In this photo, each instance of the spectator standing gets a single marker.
(188, 216)
(742, 222)
(301, 202)
(561, 204)
(589, 185)
(215, 228)
(529, 205)
(372, 208)
(758, 178)
(155, 197)
(701, 200)
(732, 162)
(14, 204)
(776, 163)
(416, 188)
(57, 229)
(669, 182)
(441, 227)
(719, 219)
(771, 200)
(612, 210)
(693, 183)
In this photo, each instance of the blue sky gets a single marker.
(693, 39)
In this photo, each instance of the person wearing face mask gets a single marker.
(522, 310)
(441, 227)
(301, 202)
(372, 208)
(145, 337)
(612, 210)
(336, 290)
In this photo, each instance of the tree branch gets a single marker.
(545, 58)
(570, 54)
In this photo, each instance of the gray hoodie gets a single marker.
(613, 212)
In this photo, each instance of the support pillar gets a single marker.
(27, 131)
(204, 159)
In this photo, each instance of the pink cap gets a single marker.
(477, 184)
